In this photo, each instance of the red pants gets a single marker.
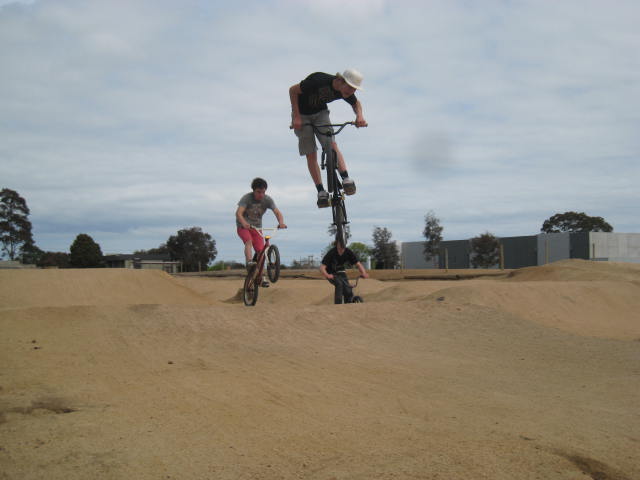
(252, 234)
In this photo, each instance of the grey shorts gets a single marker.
(306, 135)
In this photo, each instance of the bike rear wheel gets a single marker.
(273, 263)
(251, 288)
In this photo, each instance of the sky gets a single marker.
(129, 120)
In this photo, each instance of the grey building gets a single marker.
(155, 262)
(532, 250)
(454, 254)
(612, 247)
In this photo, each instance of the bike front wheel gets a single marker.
(251, 288)
(273, 263)
(341, 221)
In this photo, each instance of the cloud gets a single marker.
(130, 121)
(432, 153)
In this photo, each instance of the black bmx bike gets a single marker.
(343, 292)
(334, 184)
(269, 257)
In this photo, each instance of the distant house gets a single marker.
(14, 264)
(155, 262)
(531, 250)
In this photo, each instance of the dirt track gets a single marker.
(116, 374)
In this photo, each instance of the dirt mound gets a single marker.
(379, 390)
(578, 270)
(67, 287)
(117, 373)
(601, 309)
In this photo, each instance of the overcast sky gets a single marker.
(130, 120)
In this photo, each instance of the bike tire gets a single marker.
(251, 289)
(340, 220)
(357, 299)
(332, 175)
(273, 263)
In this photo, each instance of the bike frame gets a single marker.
(334, 185)
(253, 279)
(262, 256)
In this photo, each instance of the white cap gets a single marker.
(353, 77)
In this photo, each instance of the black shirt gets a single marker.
(336, 263)
(317, 91)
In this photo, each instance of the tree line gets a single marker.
(197, 249)
(191, 246)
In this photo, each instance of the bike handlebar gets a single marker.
(315, 127)
(269, 229)
(352, 285)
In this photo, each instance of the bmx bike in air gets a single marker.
(334, 186)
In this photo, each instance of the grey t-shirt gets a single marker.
(254, 209)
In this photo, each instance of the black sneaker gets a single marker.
(349, 186)
(323, 199)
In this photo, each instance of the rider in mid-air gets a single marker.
(332, 268)
(251, 208)
(309, 100)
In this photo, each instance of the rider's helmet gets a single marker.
(353, 78)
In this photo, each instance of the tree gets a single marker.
(485, 251)
(361, 250)
(384, 251)
(31, 255)
(433, 235)
(54, 259)
(85, 253)
(193, 247)
(161, 250)
(15, 227)
(575, 222)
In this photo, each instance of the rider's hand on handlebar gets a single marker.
(361, 122)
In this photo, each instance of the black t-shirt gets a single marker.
(336, 263)
(317, 91)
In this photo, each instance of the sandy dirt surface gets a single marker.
(129, 374)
